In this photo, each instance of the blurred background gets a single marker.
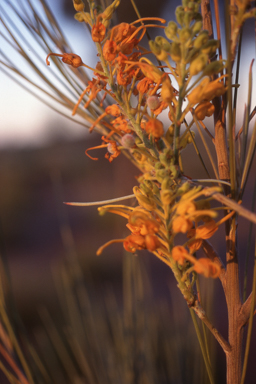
(42, 164)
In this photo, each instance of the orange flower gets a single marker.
(144, 85)
(152, 242)
(206, 230)
(179, 254)
(121, 124)
(110, 50)
(142, 223)
(67, 58)
(181, 224)
(98, 31)
(134, 242)
(111, 145)
(113, 150)
(113, 110)
(194, 245)
(204, 109)
(207, 90)
(186, 207)
(122, 31)
(155, 128)
(207, 268)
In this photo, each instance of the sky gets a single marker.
(26, 121)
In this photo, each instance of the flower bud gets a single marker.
(197, 27)
(108, 12)
(185, 34)
(198, 64)
(210, 47)
(214, 67)
(128, 141)
(167, 197)
(201, 39)
(171, 30)
(158, 51)
(185, 187)
(188, 17)
(143, 200)
(163, 43)
(167, 90)
(179, 13)
(153, 102)
(79, 17)
(78, 5)
(166, 183)
(175, 52)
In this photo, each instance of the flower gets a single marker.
(141, 222)
(204, 231)
(155, 128)
(98, 31)
(205, 108)
(207, 268)
(110, 50)
(181, 224)
(67, 58)
(206, 90)
(179, 254)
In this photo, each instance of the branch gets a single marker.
(233, 205)
(244, 312)
(202, 315)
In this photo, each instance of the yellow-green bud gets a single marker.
(198, 64)
(185, 34)
(79, 17)
(163, 43)
(185, 3)
(175, 52)
(166, 183)
(78, 5)
(175, 171)
(197, 27)
(184, 188)
(179, 13)
(192, 54)
(144, 201)
(171, 30)
(146, 190)
(167, 90)
(201, 39)
(161, 174)
(210, 47)
(166, 197)
(214, 67)
(108, 12)
(193, 6)
(188, 17)
(158, 51)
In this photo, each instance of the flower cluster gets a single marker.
(135, 92)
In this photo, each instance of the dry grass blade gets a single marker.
(62, 84)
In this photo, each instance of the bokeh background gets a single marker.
(42, 164)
